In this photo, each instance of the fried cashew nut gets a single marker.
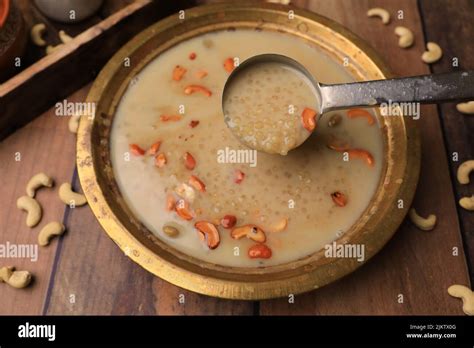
(32, 207)
(50, 231)
(381, 13)
(36, 182)
(16, 279)
(466, 108)
(68, 196)
(406, 37)
(464, 170)
(433, 54)
(208, 232)
(423, 224)
(467, 203)
(466, 295)
(250, 231)
(36, 34)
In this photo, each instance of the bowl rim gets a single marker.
(216, 283)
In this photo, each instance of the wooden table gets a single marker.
(85, 273)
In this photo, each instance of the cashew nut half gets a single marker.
(37, 181)
(6, 273)
(466, 295)
(36, 34)
(464, 170)
(32, 207)
(16, 279)
(49, 231)
(467, 202)
(68, 196)
(423, 224)
(65, 38)
(381, 13)
(433, 54)
(466, 108)
(406, 37)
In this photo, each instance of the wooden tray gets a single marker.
(56, 76)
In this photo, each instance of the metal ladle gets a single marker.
(426, 89)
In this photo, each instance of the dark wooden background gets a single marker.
(85, 273)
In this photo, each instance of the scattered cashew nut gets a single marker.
(466, 108)
(250, 231)
(467, 202)
(65, 38)
(466, 295)
(6, 273)
(433, 54)
(20, 279)
(379, 12)
(406, 37)
(36, 182)
(464, 170)
(423, 224)
(32, 207)
(68, 196)
(36, 34)
(463, 177)
(73, 123)
(49, 231)
(16, 279)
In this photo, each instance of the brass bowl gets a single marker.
(374, 228)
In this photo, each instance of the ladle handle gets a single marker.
(454, 86)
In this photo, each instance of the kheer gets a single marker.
(178, 164)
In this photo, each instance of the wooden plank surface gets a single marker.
(85, 273)
(453, 28)
(44, 145)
